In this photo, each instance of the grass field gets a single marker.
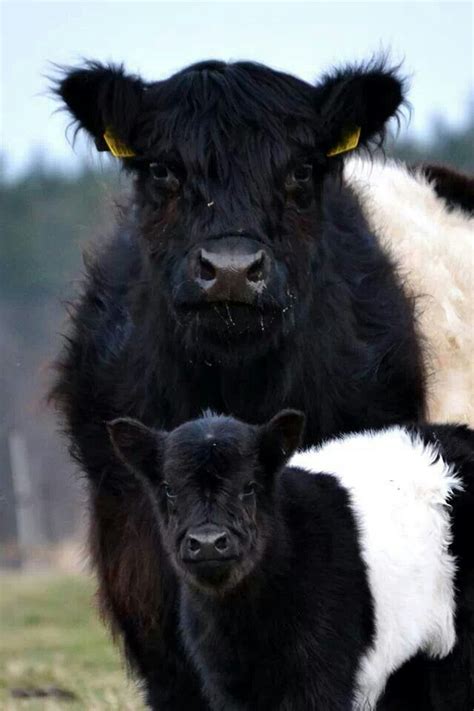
(52, 641)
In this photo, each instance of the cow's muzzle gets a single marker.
(231, 269)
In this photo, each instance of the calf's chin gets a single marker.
(213, 578)
(219, 577)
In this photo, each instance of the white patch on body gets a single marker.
(399, 490)
(433, 248)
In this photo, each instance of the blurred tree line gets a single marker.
(447, 145)
(47, 217)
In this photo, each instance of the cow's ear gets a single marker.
(104, 101)
(280, 438)
(354, 105)
(138, 447)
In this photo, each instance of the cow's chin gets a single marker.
(230, 333)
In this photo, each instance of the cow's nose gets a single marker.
(231, 276)
(207, 543)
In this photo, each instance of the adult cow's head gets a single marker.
(229, 163)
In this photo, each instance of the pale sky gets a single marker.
(435, 40)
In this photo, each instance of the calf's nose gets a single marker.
(207, 543)
(231, 276)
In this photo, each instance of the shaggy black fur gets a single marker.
(283, 623)
(233, 156)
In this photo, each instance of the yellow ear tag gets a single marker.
(348, 142)
(116, 146)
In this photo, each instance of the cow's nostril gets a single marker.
(221, 544)
(206, 270)
(255, 271)
(193, 544)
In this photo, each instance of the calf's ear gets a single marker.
(354, 105)
(137, 446)
(280, 438)
(105, 101)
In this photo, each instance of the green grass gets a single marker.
(50, 636)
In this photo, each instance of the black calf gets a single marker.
(302, 590)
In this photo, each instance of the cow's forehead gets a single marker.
(240, 87)
(227, 106)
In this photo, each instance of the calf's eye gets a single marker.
(249, 488)
(164, 177)
(169, 491)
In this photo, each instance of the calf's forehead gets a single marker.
(207, 452)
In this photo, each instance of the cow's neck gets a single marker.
(252, 391)
(244, 391)
(181, 384)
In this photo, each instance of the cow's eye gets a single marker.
(169, 491)
(249, 488)
(164, 177)
(299, 176)
(303, 173)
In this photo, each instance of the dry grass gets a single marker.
(51, 638)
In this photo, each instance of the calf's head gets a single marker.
(212, 483)
(229, 163)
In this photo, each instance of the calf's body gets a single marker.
(290, 637)
(326, 577)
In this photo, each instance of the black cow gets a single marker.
(304, 587)
(243, 278)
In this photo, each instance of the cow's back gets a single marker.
(432, 245)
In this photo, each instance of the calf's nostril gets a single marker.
(206, 270)
(221, 544)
